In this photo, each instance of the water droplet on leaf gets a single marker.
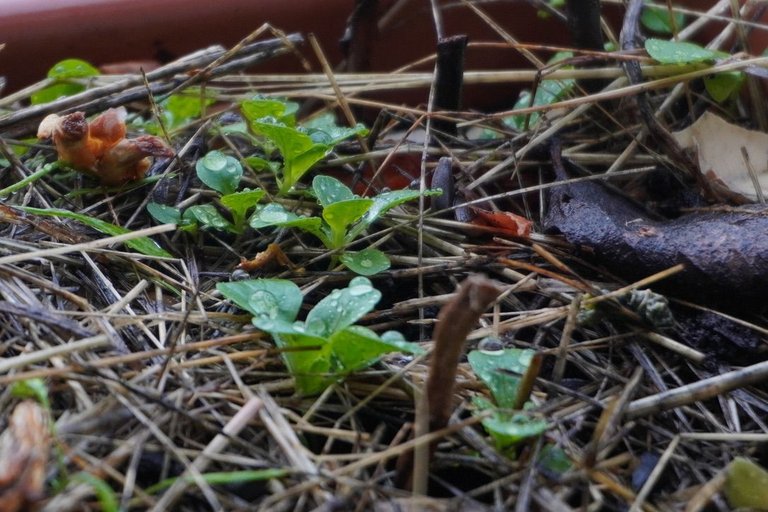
(265, 304)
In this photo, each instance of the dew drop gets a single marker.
(215, 161)
(298, 326)
(359, 289)
(273, 216)
(366, 263)
(265, 304)
(316, 326)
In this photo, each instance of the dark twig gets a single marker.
(448, 81)
(131, 89)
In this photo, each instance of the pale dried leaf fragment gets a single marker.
(718, 145)
(24, 449)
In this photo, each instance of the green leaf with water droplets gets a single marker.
(273, 298)
(339, 216)
(502, 372)
(240, 203)
(366, 262)
(509, 428)
(62, 71)
(680, 52)
(328, 190)
(342, 308)
(207, 215)
(219, 171)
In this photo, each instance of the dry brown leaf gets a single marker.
(718, 144)
(23, 457)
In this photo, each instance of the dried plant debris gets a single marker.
(24, 457)
(190, 352)
(100, 148)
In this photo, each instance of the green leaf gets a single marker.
(72, 68)
(270, 298)
(311, 369)
(223, 478)
(722, 86)
(240, 203)
(323, 129)
(260, 164)
(746, 485)
(208, 216)
(554, 460)
(342, 308)
(144, 245)
(502, 372)
(366, 262)
(256, 109)
(164, 214)
(219, 171)
(104, 493)
(339, 216)
(32, 388)
(508, 429)
(64, 70)
(659, 19)
(547, 93)
(180, 109)
(680, 52)
(329, 190)
(274, 214)
(358, 347)
(299, 152)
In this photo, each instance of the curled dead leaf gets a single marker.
(23, 457)
(99, 147)
(507, 223)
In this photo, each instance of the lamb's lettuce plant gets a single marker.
(222, 173)
(502, 372)
(345, 216)
(326, 346)
(301, 147)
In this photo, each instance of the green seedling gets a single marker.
(326, 346)
(547, 92)
(502, 371)
(345, 216)
(720, 86)
(67, 76)
(301, 147)
(222, 173)
(176, 111)
(662, 20)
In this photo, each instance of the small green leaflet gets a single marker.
(660, 19)
(219, 171)
(680, 52)
(61, 72)
(144, 245)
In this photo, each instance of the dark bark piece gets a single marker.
(586, 34)
(359, 35)
(448, 81)
(725, 253)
